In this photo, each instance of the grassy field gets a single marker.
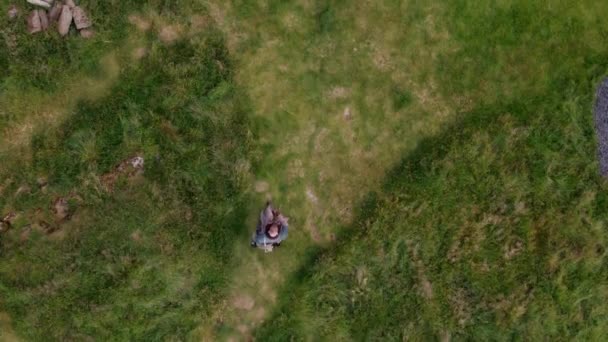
(437, 162)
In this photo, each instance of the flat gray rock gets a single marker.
(601, 125)
(81, 19)
(65, 20)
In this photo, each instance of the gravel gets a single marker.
(601, 125)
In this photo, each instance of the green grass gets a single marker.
(178, 108)
(462, 193)
(502, 213)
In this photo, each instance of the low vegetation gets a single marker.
(436, 160)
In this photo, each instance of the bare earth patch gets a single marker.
(129, 167)
(140, 22)
(243, 302)
(169, 34)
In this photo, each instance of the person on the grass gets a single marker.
(271, 229)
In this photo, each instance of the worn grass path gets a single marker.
(338, 97)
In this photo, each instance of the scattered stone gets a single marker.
(131, 167)
(70, 3)
(61, 208)
(13, 12)
(55, 12)
(513, 250)
(41, 3)
(81, 19)
(137, 162)
(347, 113)
(243, 302)
(42, 182)
(261, 186)
(44, 20)
(311, 196)
(46, 227)
(10, 217)
(33, 22)
(65, 20)
(24, 189)
(87, 33)
(6, 222)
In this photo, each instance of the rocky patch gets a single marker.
(129, 167)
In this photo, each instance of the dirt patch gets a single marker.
(243, 302)
(61, 208)
(6, 329)
(129, 167)
(261, 186)
(513, 249)
(337, 93)
(139, 53)
(460, 307)
(141, 23)
(136, 236)
(199, 23)
(314, 231)
(169, 34)
(425, 285)
(347, 114)
(311, 196)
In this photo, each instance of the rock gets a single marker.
(87, 33)
(65, 19)
(70, 3)
(41, 181)
(40, 3)
(44, 19)
(24, 189)
(46, 227)
(137, 162)
(55, 12)
(33, 22)
(61, 208)
(347, 114)
(13, 12)
(10, 217)
(81, 20)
